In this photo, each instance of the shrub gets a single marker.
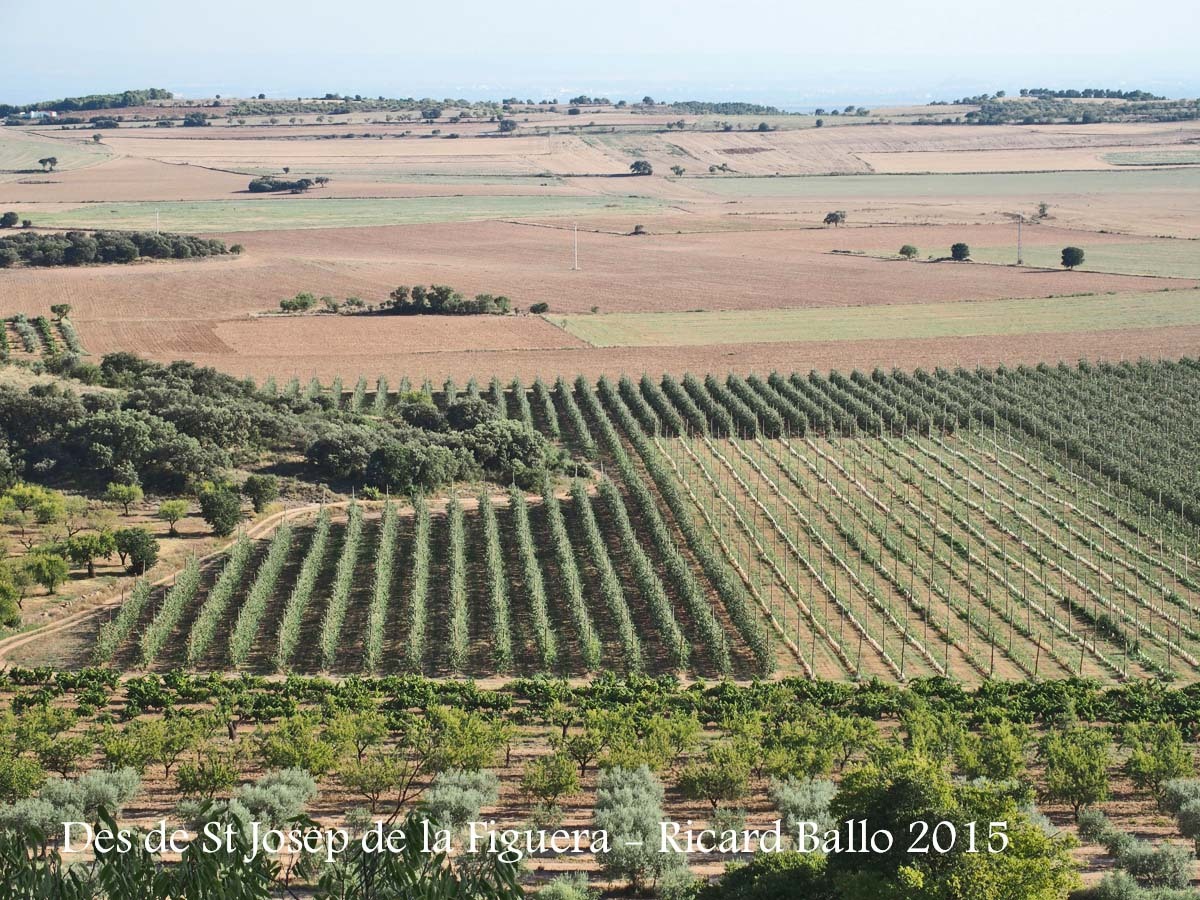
(1179, 791)
(221, 508)
(572, 886)
(278, 798)
(1093, 826)
(538, 308)
(629, 809)
(261, 489)
(1166, 865)
(908, 251)
(139, 546)
(455, 797)
(802, 800)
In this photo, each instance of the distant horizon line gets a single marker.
(784, 100)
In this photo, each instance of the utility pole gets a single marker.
(1020, 221)
(156, 221)
(575, 265)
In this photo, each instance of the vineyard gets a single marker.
(1010, 524)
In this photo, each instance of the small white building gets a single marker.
(40, 114)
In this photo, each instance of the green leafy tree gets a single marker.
(549, 777)
(641, 167)
(19, 776)
(960, 252)
(1077, 763)
(835, 218)
(678, 170)
(171, 511)
(123, 495)
(261, 489)
(1158, 756)
(891, 793)
(1072, 257)
(908, 251)
(9, 220)
(85, 549)
(723, 776)
(47, 569)
(221, 508)
(137, 546)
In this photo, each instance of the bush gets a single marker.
(572, 886)
(908, 251)
(413, 467)
(138, 546)
(1166, 865)
(1179, 791)
(629, 809)
(302, 302)
(1093, 826)
(802, 800)
(261, 489)
(538, 308)
(278, 798)
(221, 508)
(455, 797)
(1189, 822)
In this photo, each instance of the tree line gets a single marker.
(81, 248)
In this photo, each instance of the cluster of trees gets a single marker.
(1102, 93)
(424, 448)
(1041, 109)
(443, 300)
(59, 532)
(80, 248)
(726, 108)
(10, 220)
(177, 428)
(407, 743)
(270, 184)
(91, 101)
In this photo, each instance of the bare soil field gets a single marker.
(619, 273)
(122, 178)
(494, 214)
(1124, 344)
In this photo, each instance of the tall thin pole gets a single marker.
(575, 266)
(1020, 258)
(156, 221)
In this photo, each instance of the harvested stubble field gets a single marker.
(1072, 314)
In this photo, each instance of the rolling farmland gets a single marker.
(1024, 523)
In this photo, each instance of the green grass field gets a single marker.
(1153, 158)
(1175, 259)
(21, 150)
(1022, 185)
(277, 213)
(993, 317)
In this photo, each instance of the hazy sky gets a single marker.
(787, 53)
